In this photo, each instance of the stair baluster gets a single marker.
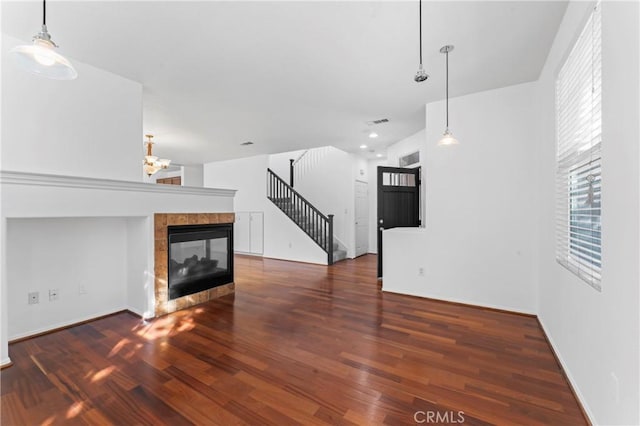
(308, 218)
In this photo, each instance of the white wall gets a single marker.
(193, 175)
(63, 254)
(478, 246)
(91, 126)
(246, 175)
(140, 284)
(596, 333)
(282, 238)
(360, 168)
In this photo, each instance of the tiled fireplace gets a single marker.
(201, 248)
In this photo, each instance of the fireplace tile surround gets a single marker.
(161, 221)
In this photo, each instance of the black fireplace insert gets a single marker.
(200, 258)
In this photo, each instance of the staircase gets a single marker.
(308, 218)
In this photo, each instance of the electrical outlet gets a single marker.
(34, 298)
(82, 290)
(53, 294)
(421, 272)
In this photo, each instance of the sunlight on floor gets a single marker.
(102, 374)
(167, 326)
(48, 421)
(75, 409)
(118, 347)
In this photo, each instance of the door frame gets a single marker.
(380, 221)
(355, 218)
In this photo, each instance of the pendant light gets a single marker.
(421, 75)
(447, 136)
(41, 58)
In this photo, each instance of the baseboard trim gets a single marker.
(284, 260)
(588, 416)
(6, 363)
(64, 326)
(468, 304)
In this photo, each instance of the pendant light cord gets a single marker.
(447, 89)
(44, 12)
(420, 19)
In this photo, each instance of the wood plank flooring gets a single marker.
(297, 344)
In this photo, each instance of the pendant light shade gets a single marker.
(447, 136)
(41, 57)
(421, 75)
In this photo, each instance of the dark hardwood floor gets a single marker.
(297, 344)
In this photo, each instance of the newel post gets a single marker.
(291, 160)
(330, 240)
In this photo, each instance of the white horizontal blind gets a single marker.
(579, 138)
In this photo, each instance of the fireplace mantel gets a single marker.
(46, 197)
(38, 179)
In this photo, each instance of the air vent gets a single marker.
(409, 159)
(247, 143)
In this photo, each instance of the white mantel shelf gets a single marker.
(34, 195)
(37, 179)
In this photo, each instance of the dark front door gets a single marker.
(398, 201)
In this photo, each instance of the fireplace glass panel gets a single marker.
(192, 260)
(200, 258)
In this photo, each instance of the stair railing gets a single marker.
(304, 214)
(292, 165)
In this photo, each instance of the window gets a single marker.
(398, 179)
(579, 138)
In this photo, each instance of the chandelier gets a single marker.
(153, 164)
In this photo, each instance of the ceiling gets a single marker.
(293, 75)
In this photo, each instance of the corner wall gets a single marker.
(596, 334)
(478, 245)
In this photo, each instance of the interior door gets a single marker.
(362, 218)
(256, 226)
(241, 233)
(398, 201)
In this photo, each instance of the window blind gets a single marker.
(579, 140)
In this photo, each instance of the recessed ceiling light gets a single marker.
(373, 135)
(247, 143)
(363, 146)
(378, 155)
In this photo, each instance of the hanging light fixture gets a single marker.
(151, 163)
(421, 75)
(41, 58)
(447, 136)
